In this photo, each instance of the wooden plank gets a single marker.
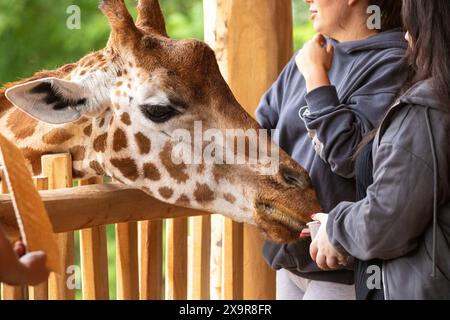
(127, 268)
(252, 40)
(232, 261)
(199, 258)
(39, 292)
(176, 255)
(96, 205)
(10, 292)
(58, 169)
(94, 257)
(151, 260)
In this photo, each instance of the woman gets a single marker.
(404, 220)
(327, 98)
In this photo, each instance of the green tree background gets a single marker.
(34, 36)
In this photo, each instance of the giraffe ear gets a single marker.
(50, 100)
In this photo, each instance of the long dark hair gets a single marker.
(391, 11)
(428, 24)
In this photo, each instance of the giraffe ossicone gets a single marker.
(116, 111)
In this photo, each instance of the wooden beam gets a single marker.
(253, 42)
(91, 206)
(94, 257)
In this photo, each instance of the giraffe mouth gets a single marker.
(280, 216)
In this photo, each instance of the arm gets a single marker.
(30, 269)
(398, 207)
(337, 128)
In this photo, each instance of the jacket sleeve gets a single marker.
(268, 111)
(388, 222)
(337, 128)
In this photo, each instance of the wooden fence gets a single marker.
(253, 41)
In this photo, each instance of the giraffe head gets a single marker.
(122, 106)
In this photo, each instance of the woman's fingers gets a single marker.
(321, 261)
(313, 250)
(19, 248)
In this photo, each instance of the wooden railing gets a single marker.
(87, 208)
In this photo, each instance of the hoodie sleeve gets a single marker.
(268, 111)
(337, 128)
(388, 222)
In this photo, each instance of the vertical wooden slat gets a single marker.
(199, 258)
(232, 261)
(151, 260)
(39, 292)
(58, 169)
(10, 292)
(127, 268)
(253, 40)
(94, 257)
(176, 265)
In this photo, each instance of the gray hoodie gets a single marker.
(395, 221)
(321, 129)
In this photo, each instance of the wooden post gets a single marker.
(39, 292)
(58, 169)
(199, 258)
(253, 42)
(176, 255)
(94, 257)
(10, 292)
(151, 260)
(127, 268)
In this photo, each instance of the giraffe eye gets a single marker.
(158, 113)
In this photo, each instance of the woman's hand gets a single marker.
(322, 251)
(314, 61)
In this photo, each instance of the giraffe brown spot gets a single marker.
(151, 172)
(125, 72)
(34, 158)
(57, 136)
(125, 118)
(229, 198)
(143, 143)
(117, 106)
(119, 73)
(88, 130)
(220, 172)
(127, 167)
(203, 193)
(102, 122)
(183, 201)
(129, 86)
(77, 174)
(82, 73)
(201, 168)
(97, 167)
(120, 140)
(82, 120)
(100, 143)
(21, 125)
(165, 192)
(78, 153)
(176, 171)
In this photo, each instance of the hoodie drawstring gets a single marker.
(435, 191)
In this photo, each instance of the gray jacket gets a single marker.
(367, 76)
(395, 221)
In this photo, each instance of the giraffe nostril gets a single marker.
(293, 178)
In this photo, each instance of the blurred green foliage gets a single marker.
(34, 36)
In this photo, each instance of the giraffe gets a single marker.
(115, 110)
